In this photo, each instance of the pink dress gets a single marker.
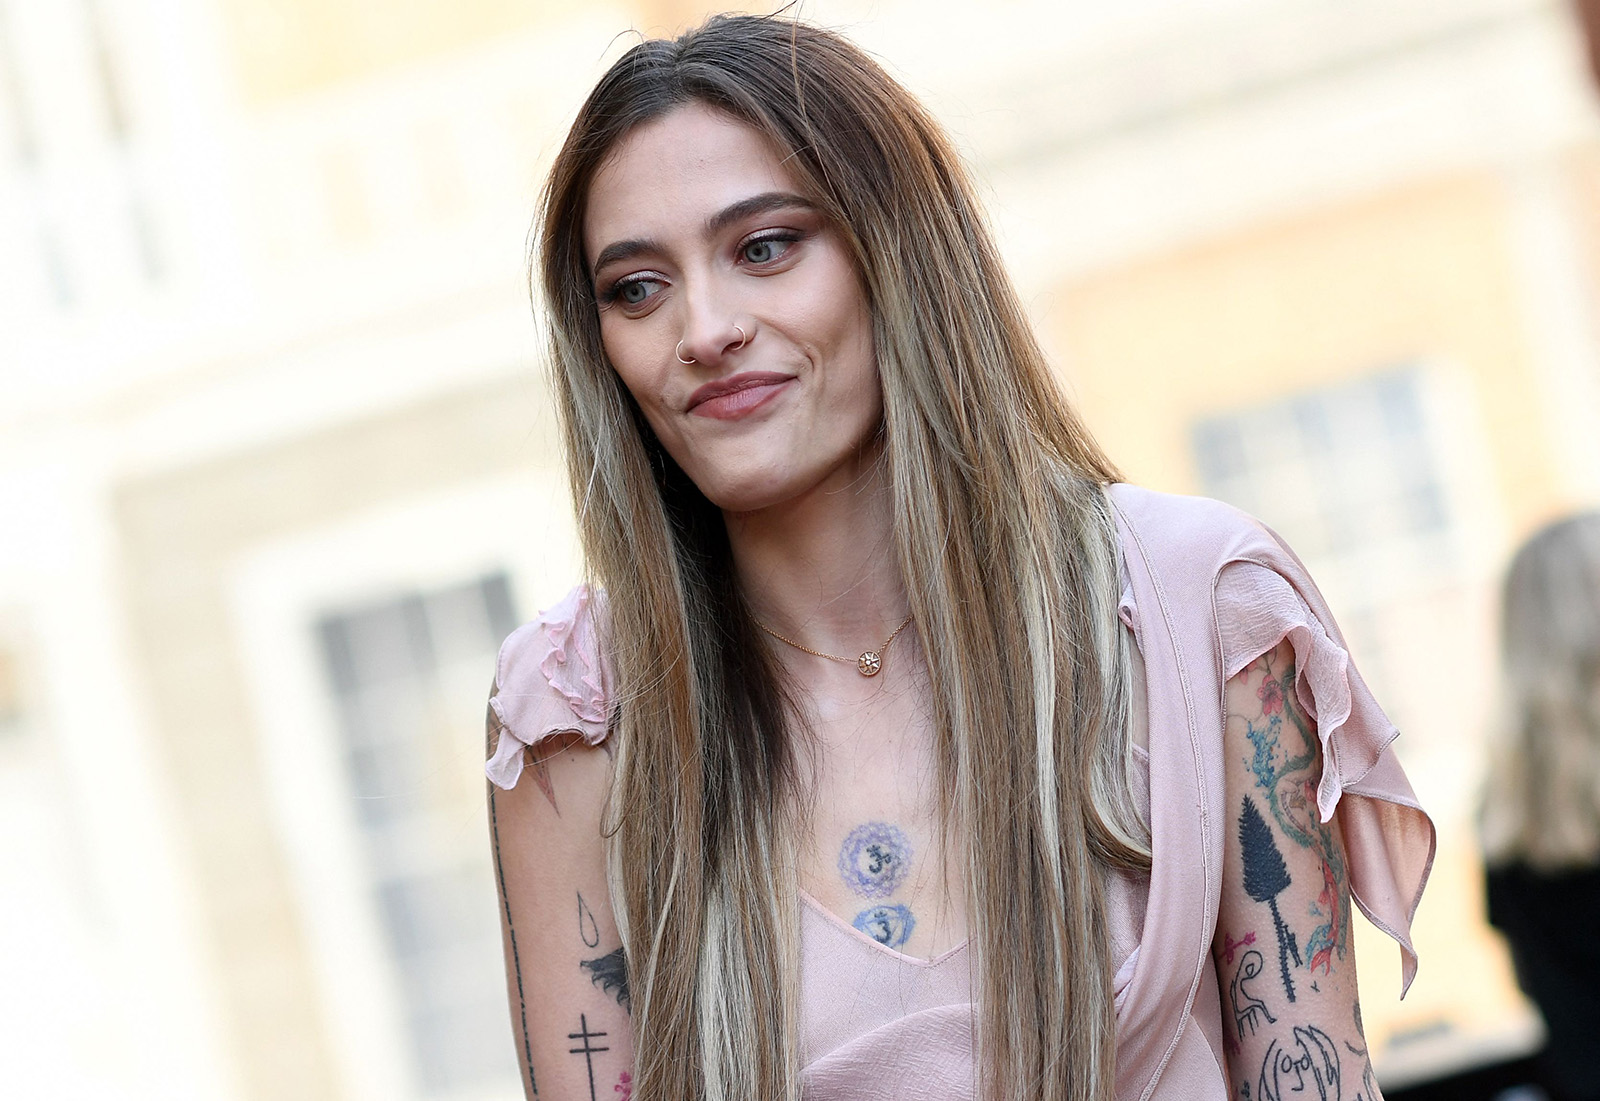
(1207, 590)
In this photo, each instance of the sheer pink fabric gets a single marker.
(550, 679)
(1208, 590)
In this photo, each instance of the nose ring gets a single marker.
(743, 340)
(678, 351)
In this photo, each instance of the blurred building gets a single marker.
(277, 468)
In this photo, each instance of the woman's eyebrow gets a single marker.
(734, 212)
(756, 204)
(624, 250)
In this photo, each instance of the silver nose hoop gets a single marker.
(743, 340)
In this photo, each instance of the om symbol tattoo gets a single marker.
(890, 926)
(875, 859)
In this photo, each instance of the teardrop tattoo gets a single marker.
(587, 929)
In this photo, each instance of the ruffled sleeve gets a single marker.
(550, 678)
(1389, 839)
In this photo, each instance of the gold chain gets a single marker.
(868, 664)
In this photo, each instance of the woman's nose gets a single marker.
(710, 332)
(711, 344)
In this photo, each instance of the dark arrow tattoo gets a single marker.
(610, 974)
(1265, 877)
(588, 1051)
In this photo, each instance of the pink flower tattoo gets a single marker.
(1271, 696)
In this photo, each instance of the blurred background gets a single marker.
(277, 468)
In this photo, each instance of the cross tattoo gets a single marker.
(588, 1051)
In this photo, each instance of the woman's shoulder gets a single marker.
(1188, 525)
(550, 678)
(1207, 550)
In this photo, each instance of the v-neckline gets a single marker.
(851, 931)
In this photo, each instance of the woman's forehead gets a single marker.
(671, 174)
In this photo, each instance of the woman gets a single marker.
(856, 738)
(1541, 819)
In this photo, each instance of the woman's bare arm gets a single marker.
(565, 972)
(1286, 966)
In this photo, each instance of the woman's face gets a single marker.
(703, 248)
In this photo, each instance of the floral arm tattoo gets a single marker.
(1286, 764)
(1282, 949)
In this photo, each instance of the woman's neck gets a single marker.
(822, 569)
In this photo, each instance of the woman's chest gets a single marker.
(873, 852)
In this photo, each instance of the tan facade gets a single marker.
(183, 534)
(1423, 275)
(1334, 265)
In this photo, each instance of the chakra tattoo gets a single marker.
(1288, 778)
(1306, 1068)
(875, 859)
(610, 974)
(890, 926)
(588, 1050)
(1247, 1008)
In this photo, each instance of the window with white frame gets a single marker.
(409, 677)
(1346, 474)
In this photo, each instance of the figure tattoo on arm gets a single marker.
(1287, 775)
(1247, 1008)
(1230, 946)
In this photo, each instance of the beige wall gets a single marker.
(287, 48)
(1426, 274)
(1422, 274)
(182, 533)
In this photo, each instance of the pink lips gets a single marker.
(737, 395)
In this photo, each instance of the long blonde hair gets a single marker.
(1543, 801)
(1005, 541)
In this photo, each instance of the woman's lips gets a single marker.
(737, 395)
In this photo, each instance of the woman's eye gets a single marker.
(766, 249)
(633, 292)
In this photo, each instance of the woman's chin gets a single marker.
(750, 492)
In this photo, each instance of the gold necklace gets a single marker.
(869, 664)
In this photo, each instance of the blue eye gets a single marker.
(632, 292)
(764, 250)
